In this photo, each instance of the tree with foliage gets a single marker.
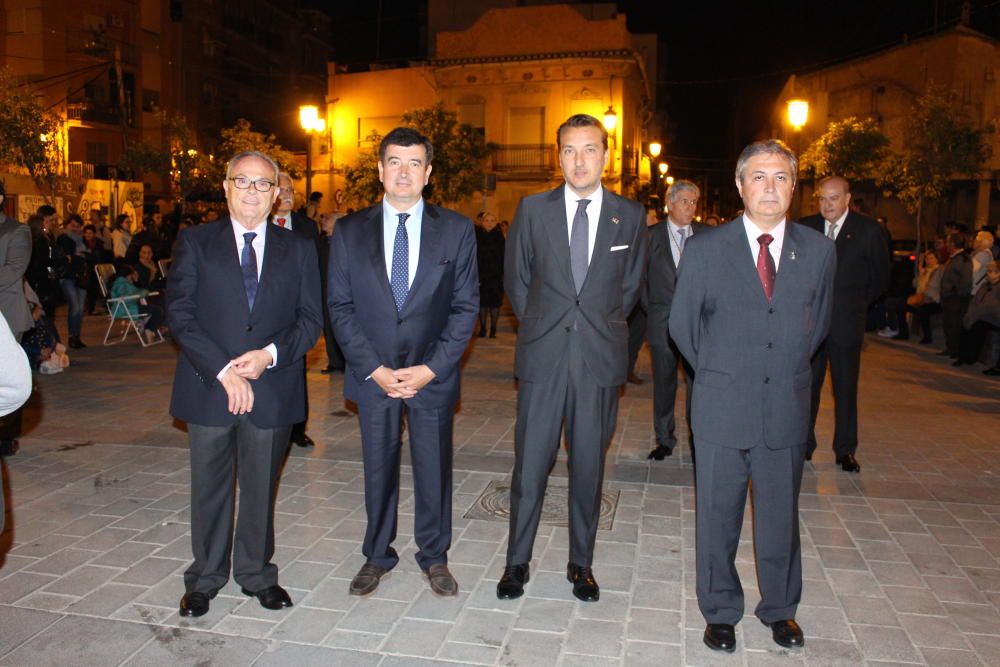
(142, 157)
(940, 142)
(241, 137)
(853, 148)
(31, 136)
(188, 168)
(459, 154)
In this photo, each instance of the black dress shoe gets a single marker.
(195, 604)
(366, 580)
(809, 456)
(273, 597)
(720, 637)
(76, 344)
(849, 463)
(304, 441)
(660, 453)
(8, 448)
(511, 584)
(584, 585)
(786, 633)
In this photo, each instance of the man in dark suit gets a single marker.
(244, 323)
(862, 276)
(666, 245)
(750, 333)
(573, 270)
(404, 297)
(300, 224)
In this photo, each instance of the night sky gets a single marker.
(722, 63)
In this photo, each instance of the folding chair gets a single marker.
(118, 312)
(164, 265)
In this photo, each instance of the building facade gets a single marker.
(884, 86)
(111, 68)
(516, 93)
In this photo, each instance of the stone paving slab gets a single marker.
(901, 563)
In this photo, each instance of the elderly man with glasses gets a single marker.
(244, 323)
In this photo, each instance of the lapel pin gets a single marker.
(793, 255)
(615, 220)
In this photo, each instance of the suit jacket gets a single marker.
(956, 276)
(210, 319)
(862, 273)
(15, 255)
(661, 278)
(539, 282)
(436, 322)
(301, 224)
(751, 357)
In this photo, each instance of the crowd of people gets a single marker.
(752, 313)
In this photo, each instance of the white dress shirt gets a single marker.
(390, 222)
(778, 233)
(675, 243)
(286, 216)
(840, 225)
(593, 214)
(259, 242)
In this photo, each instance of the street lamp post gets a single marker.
(312, 124)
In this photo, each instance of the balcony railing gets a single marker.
(524, 158)
(80, 170)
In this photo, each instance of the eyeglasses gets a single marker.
(260, 185)
(287, 191)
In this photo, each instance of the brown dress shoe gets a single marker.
(367, 578)
(442, 582)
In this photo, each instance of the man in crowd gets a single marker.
(403, 296)
(750, 333)
(862, 277)
(666, 245)
(299, 223)
(573, 270)
(15, 254)
(244, 323)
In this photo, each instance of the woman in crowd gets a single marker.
(982, 256)
(982, 317)
(489, 253)
(121, 236)
(70, 268)
(124, 285)
(94, 254)
(926, 301)
(40, 274)
(148, 275)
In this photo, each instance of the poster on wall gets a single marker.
(109, 198)
(27, 205)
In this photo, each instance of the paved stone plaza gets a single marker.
(902, 562)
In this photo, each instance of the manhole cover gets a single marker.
(494, 505)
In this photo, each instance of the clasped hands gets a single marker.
(403, 382)
(236, 380)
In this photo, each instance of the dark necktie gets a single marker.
(578, 239)
(682, 235)
(765, 265)
(248, 265)
(399, 279)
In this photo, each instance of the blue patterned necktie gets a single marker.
(248, 265)
(682, 235)
(399, 279)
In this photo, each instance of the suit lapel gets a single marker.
(376, 252)
(743, 262)
(430, 242)
(607, 231)
(844, 236)
(557, 227)
(275, 256)
(787, 279)
(224, 255)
